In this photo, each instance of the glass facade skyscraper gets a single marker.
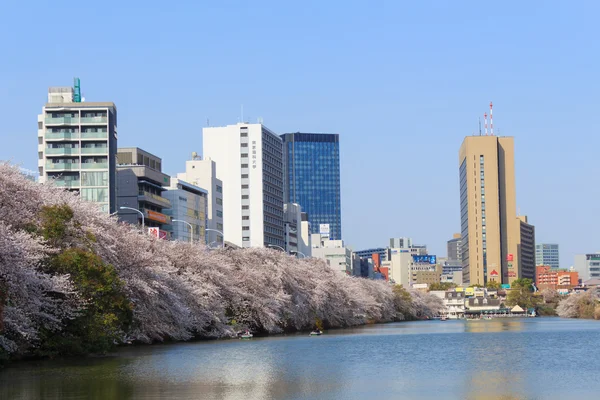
(312, 178)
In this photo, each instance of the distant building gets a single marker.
(203, 173)
(588, 266)
(368, 253)
(495, 242)
(400, 243)
(548, 277)
(141, 183)
(77, 145)
(547, 254)
(334, 252)
(312, 178)
(454, 244)
(304, 238)
(295, 241)
(455, 304)
(189, 203)
(249, 159)
(424, 269)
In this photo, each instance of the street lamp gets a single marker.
(279, 247)
(303, 255)
(137, 211)
(222, 235)
(191, 228)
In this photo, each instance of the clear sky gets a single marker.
(401, 82)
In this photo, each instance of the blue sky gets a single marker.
(402, 82)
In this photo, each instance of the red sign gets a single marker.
(494, 273)
(512, 274)
(509, 257)
(154, 232)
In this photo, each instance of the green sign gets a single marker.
(77, 91)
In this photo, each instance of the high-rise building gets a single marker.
(249, 162)
(491, 233)
(547, 254)
(189, 205)
(77, 145)
(141, 183)
(203, 173)
(454, 249)
(312, 178)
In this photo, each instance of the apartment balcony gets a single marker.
(61, 135)
(94, 135)
(94, 165)
(154, 199)
(94, 120)
(62, 151)
(70, 184)
(62, 121)
(62, 166)
(94, 150)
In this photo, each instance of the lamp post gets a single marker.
(279, 247)
(191, 228)
(137, 211)
(303, 255)
(222, 235)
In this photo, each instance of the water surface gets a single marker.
(529, 358)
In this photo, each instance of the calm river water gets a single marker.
(536, 358)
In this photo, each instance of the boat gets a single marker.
(444, 318)
(316, 333)
(246, 335)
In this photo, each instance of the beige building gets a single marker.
(490, 230)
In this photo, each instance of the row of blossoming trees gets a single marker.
(73, 281)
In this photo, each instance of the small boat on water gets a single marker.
(316, 333)
(444, 318)
(246, 335)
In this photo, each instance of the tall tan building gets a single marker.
(492, 235)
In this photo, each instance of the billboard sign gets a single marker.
(156, 216)
(426, 259)
(509, 257)
(494, 273)
(154, 232)
(505, 286)
(324, 229)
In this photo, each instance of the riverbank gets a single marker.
(75, 281)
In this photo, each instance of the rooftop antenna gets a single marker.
(479, 126)
(207, 121)
(485, 122)
(491, 120)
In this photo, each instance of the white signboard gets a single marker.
(324, 229)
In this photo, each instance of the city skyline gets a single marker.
(539, 98)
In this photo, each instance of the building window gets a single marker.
(245, 186)
(244, 165)
(244, 155)
(245, 196)
(219, 189)
(220, 227)
(244, 176)
(219, 201)
(219, 213)
(244, 145)
(243, 134)
(245, 207)
(245, 228)
(246, 238)
(246, 217)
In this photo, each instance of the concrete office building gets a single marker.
(454, 249)
(295, 241)
(249, 160)
(338, 257)
(203, 174)
(491, 233)
(547, 254)
(588, 266)
(400, 243)
(77, 145)
(312, 178)
(398, 262)
(189, 203)
(141, 183)
(304, 242)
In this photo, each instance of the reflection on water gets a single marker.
(494, 359)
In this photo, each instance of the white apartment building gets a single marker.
(338, 257)
(188, 206)
(203, 173)
(249, 160)
(77, 145)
